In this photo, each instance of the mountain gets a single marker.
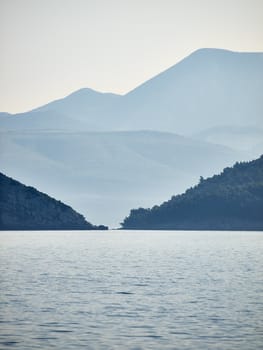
(78, 111)
(208, 89)
(232, 200)
(104, 174)
(82, 105)
(24, 208)
(89, 148)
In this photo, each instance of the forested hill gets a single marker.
(25, 208)
(232, 200)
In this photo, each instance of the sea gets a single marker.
(180, 290)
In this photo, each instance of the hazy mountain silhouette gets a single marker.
(70, 147)
(232, 200)
(78, 111)
(82, 104)
(103, 175)
(210, 88)
(24, 208)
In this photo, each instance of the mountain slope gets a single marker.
(25, 208)
(232, 200)
(207, 89)
(105, 174)
(95, 171)
(77, 111)
(82, 104)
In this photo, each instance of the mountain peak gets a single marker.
(86, 92)
(207, 50)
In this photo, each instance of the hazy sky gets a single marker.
(50, 48)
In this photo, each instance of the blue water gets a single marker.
(131, 290)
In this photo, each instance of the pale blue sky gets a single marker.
(50, 48)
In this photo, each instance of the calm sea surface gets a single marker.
(131, 290)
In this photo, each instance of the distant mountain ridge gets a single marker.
(93, 151)
(82, 103)
(211, 87)
(232, 200)
(104, 174)
(207, 89)
(24, 208)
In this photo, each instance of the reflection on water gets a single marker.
(131, 290)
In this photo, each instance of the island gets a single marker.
(25, 208)
(232, 200)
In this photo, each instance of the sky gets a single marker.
(50, 48)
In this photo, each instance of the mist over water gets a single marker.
(131, 290)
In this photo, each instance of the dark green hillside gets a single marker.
(25, 208)
(232, 200)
